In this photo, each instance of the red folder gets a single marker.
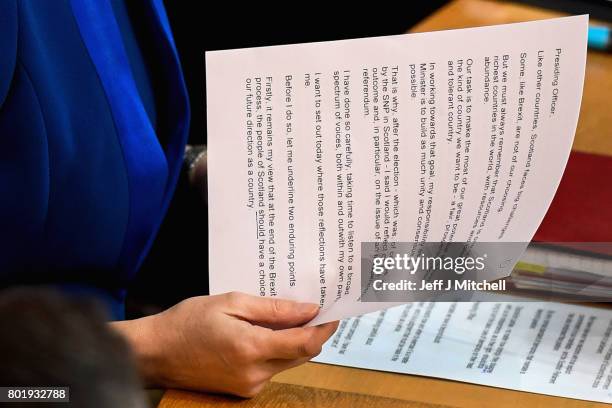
(582, 208)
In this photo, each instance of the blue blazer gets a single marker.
(93, 123)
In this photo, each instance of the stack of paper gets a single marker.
(559, 271)
(542, 347)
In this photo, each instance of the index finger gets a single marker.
(295, 343)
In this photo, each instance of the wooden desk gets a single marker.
(325, 385)
(594, 133)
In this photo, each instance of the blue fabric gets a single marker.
(8, 45)
(92, 130)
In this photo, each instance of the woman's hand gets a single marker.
(230, 343)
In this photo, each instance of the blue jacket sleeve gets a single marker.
(8, 45)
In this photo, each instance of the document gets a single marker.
(548, 348)
(449, 136)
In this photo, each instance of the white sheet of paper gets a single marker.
(458, 135)
(547, 348)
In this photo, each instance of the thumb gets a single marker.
(269, 312)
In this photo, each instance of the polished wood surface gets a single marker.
(325, 385)
(277, 395)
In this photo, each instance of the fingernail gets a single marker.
(307, 308)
